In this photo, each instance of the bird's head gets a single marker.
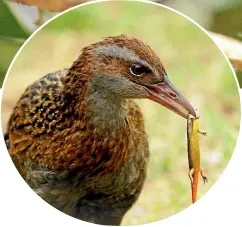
(126, 68)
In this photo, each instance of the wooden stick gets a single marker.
(51, 5)
(231, 47)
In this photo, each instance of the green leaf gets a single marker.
(10, 26)
(228, 21)
(13, 33)
(9, 48)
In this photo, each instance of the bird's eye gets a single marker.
(137, 70)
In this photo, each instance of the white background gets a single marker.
(221, 206)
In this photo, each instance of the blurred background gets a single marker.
(194, 64)
(19, 21)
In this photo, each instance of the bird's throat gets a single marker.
(106, 112)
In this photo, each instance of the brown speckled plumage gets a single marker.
(78, 139)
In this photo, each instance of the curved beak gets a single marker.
(167, 95)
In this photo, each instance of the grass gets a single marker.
(194, 64)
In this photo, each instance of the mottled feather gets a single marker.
(89, 168)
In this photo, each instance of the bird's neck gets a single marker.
(105, 111)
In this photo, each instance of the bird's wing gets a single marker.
(36, 115)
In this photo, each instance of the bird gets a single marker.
(78, 138)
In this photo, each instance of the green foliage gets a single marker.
(12, 36)
(10, 25)
(227, 20)
(239, 76)
(231, 16)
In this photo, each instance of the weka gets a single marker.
(78, 139)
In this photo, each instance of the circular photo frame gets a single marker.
(102, 123)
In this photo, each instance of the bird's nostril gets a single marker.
(173, 95)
